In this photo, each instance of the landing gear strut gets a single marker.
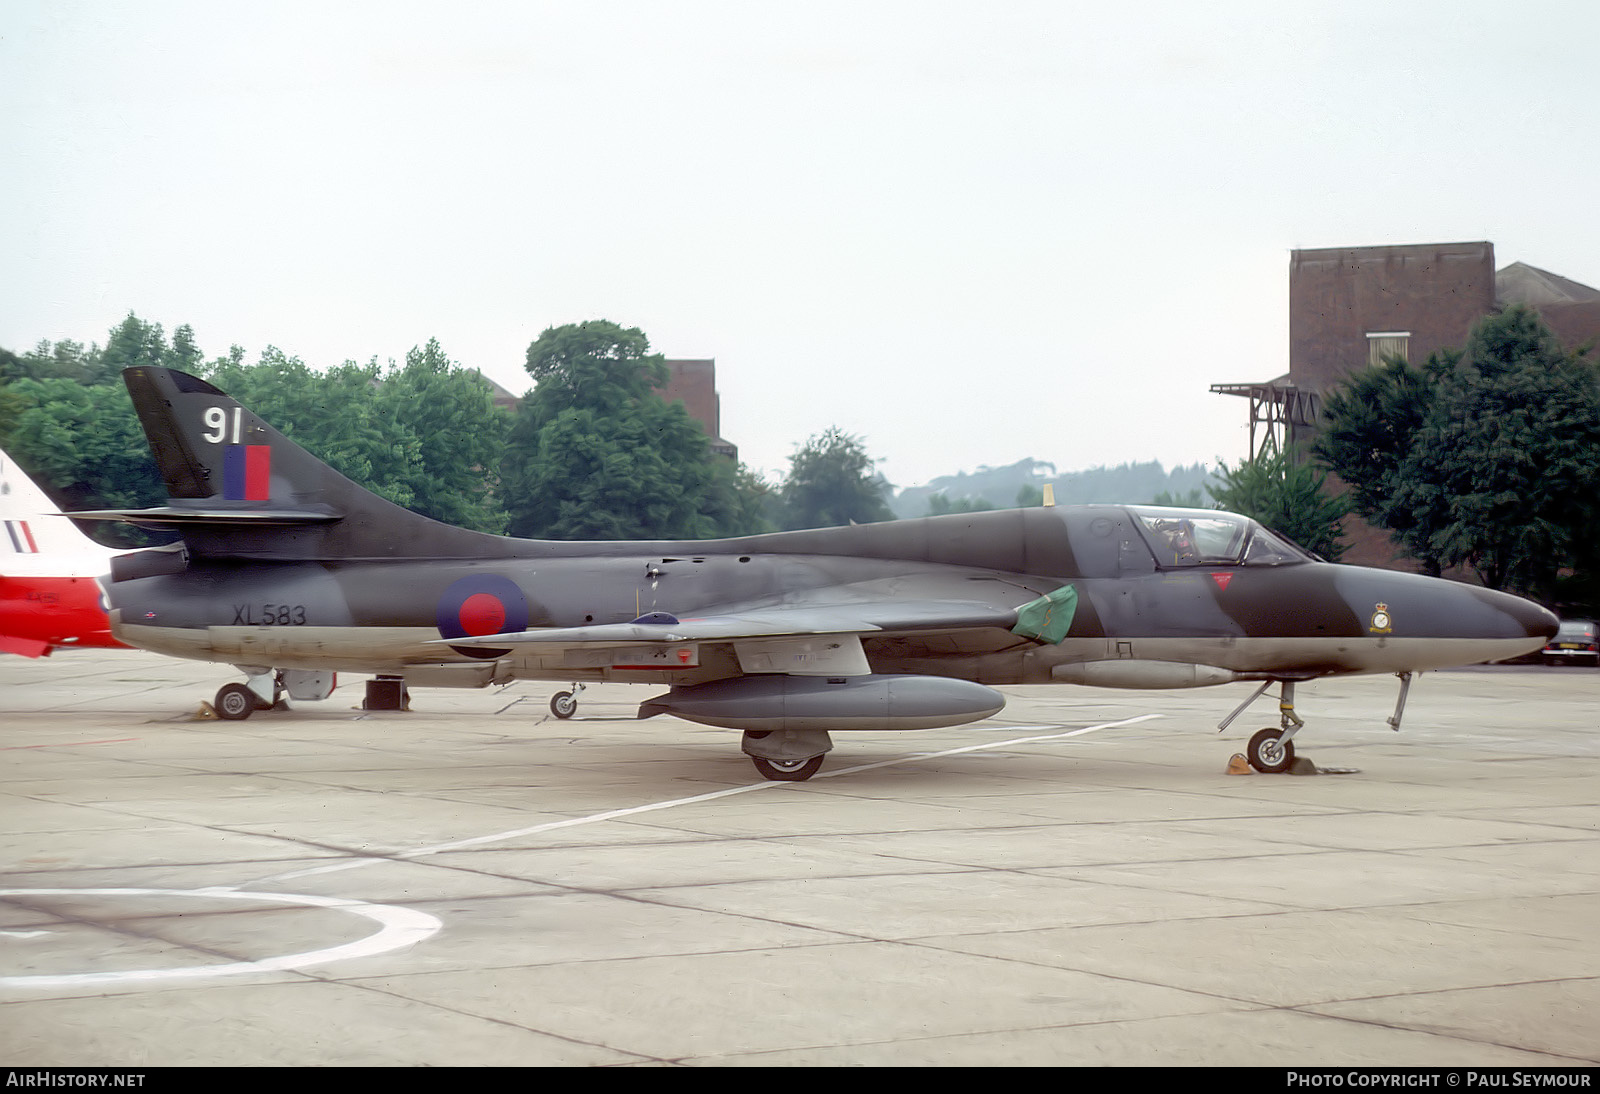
(1272, 749)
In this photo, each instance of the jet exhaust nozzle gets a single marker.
(154, 562)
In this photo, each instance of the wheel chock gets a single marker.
(1238, 765)
(1303, 766)
(206, 713)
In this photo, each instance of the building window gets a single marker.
(1383, 345)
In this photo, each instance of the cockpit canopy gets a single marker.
(1207, 537)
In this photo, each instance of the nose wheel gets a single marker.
(1270, 752)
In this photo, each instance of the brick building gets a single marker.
(694, 383)
(691, 382)
(1351, 306)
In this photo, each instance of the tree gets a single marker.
(85, 447)
(595, 452)
(1195, 498)
(831, 482)
(426, 435)
(737, 499)
(1489, 458)
(1507, 464)
(460, 436)
(939, 505)
(1288, 496)
(334, 415)
(134, 342)
(1370, 426)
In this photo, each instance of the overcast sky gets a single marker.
(967, 232)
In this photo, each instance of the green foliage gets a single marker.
(334, 415)
(1021, 484)
(595, 453)
(737, 499)
(1487, 458)
(1506, 467)
(1194, 499)
(460, 435)
(84, 446)
(421, 436)
(832, 482)
(1288, 497)
(1028, 495)
(939, 505)
(1370, 426)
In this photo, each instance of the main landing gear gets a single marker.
(564, 704)
(787, 755)
(1271, 750)
(236, 702)
(265, 688)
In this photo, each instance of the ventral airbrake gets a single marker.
(290, 571)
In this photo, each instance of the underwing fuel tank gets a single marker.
(780, 702)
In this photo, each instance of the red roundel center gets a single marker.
(482, 613)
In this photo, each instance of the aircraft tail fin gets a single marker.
(32, 524)
(238, 488)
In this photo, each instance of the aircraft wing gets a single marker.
(865, 617)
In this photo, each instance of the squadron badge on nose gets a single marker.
(1380, 620)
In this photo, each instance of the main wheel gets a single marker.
(563, 704)
(1269, 753)
(235, 702)
(789, 771)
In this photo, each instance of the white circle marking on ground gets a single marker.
(398, 927)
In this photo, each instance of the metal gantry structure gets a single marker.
(1281, 414)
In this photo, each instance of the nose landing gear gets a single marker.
(1271, 751)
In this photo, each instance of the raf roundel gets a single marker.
(482, 604)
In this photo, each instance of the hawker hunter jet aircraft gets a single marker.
(289, 571)
(49, 595)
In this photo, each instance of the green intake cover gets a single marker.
(1049, 618)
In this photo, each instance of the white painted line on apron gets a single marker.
(635, 810)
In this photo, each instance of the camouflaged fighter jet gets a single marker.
(292, 572)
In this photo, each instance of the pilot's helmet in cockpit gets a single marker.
(1181, 539)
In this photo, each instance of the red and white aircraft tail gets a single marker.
(50, 596)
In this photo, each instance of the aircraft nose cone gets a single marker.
(1537, 621)
(1517, 617)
